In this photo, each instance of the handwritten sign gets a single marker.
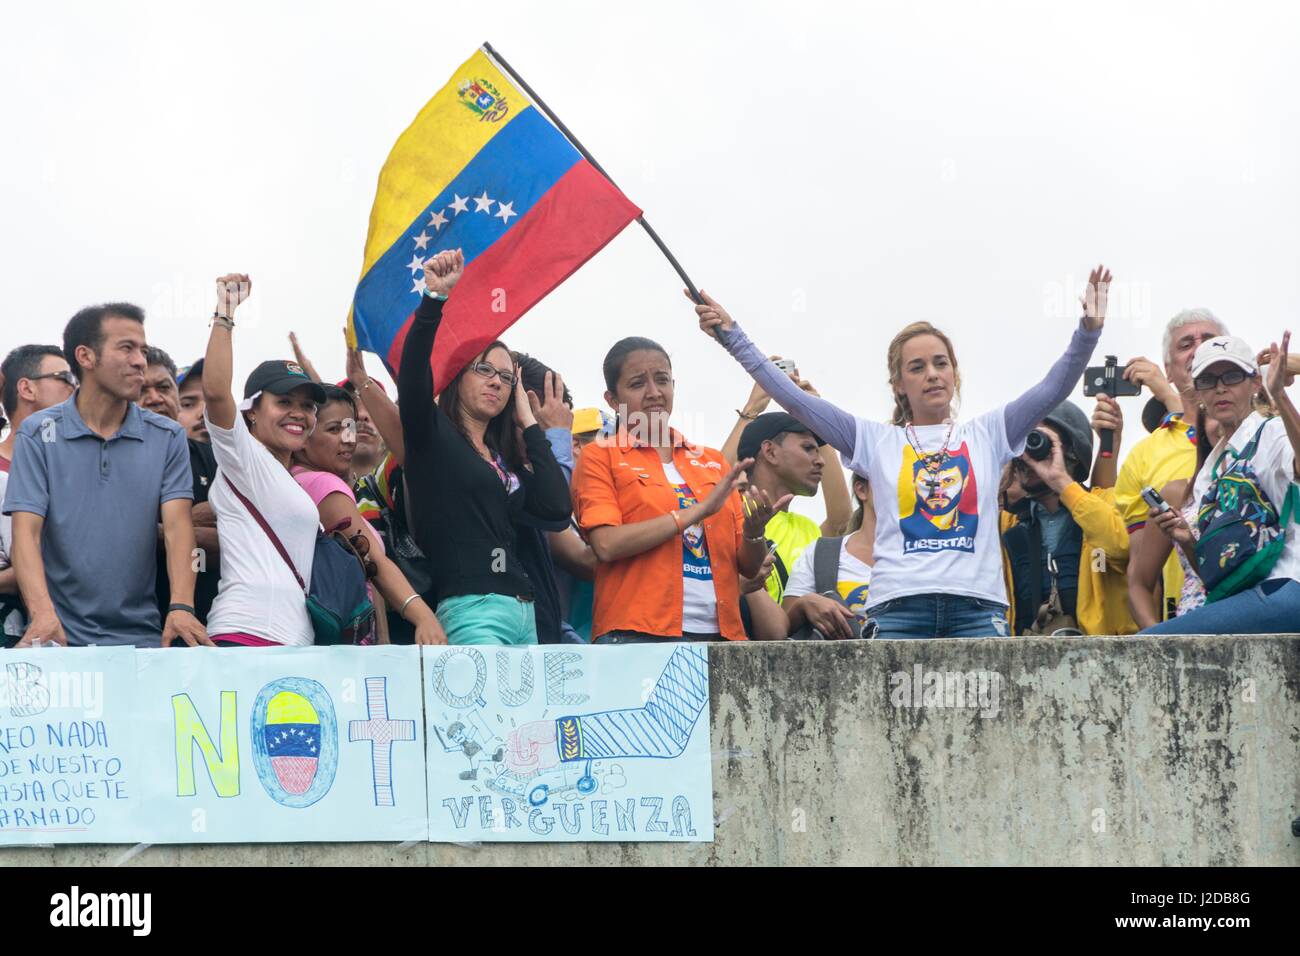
(572, 743)
(283, 744)
(118, 745)
(69, 770)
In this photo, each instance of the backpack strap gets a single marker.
(257, 516)
(1247, 453)
(826, 565)
(782, 572)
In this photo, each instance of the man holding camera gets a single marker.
(1065, 548)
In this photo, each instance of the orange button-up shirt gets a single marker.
(621, 481)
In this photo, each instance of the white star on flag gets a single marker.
(422, 240)
(416, 264)
(460, 204)
(418, 287)
(483, 203)
(437, 220)
(505, 210)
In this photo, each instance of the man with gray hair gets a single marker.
(1167, 454)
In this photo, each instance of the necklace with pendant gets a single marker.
(931, 461)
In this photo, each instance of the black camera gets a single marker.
(1038, 445)
(1107, 380)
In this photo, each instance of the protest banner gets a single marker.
(118, 745)
(568, 743)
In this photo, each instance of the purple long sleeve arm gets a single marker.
(830, 423)
(1025, 412)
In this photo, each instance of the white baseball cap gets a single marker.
(1224, 348)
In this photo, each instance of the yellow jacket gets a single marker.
(1102, 602)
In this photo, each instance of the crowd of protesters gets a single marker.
(148, 505)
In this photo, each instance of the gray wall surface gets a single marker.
(1112, 751)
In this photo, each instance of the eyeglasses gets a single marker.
(66, 378)
(487, 370)
(1233, 376)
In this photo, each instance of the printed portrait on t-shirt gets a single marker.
(938, 502)
(854, 596)
(695, 550)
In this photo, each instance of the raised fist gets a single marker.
(443, 270)
(232, 289)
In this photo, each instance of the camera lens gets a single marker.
(1038, 445)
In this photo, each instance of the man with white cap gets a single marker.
(1248, 487)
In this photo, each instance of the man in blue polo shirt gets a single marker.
(90, 481)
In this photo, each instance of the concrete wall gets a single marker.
(1131, 751)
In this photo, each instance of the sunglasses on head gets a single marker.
(487, 370)
(1206, 381)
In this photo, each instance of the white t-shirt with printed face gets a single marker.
(936, 527)
(853, 581)
(258, 594)
(699, 599)
(1274, 466)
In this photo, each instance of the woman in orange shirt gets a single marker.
(669, 532)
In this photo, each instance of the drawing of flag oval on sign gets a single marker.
(292, 740)
(295, 741)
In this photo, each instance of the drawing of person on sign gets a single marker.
(464, 739)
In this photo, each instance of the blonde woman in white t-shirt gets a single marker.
(934, 479)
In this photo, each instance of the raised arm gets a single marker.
(1275, 383)
(1107, 415)
(301, 358)
(1025, 412)
(415, 385)
(835, 425)
(218, 363)
(383, 410)
(546, 487)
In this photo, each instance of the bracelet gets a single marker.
(182, 607)
(748, 418)
(401, 612)
(761, 539)
(225, 321)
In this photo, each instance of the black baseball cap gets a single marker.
(767, 426)
(193, 371)
(280, 378)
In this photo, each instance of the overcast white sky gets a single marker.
(829, 171)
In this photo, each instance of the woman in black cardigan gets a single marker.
(468, 478)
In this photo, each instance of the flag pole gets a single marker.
(559, 124)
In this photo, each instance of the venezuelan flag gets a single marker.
(480, 169)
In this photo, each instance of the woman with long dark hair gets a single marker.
(469, 476)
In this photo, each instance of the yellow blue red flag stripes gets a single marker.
(482, 170)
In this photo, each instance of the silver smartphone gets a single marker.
(1152, 497)
(786, 365)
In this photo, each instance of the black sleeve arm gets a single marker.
(546, 492)
(415, 386)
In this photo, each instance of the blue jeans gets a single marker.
(939, 615)
(488, 619)
(1271, 607)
